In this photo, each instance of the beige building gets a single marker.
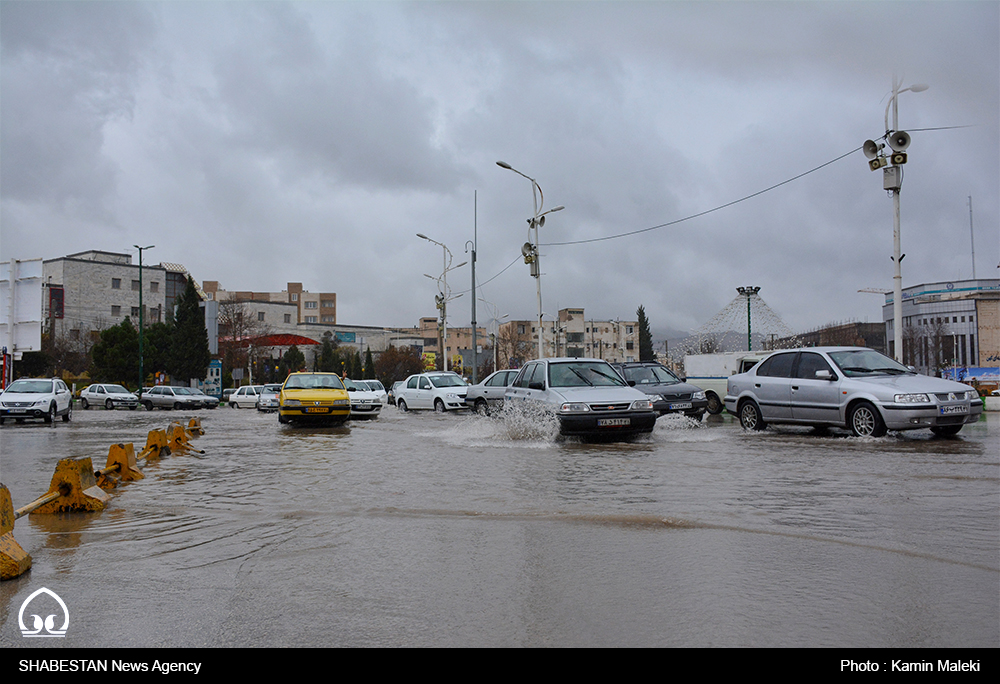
(571, 334)
(310, 307)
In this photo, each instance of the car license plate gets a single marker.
(684, 405)
(18, 410)
(948, 410)
(316, 410)
(612, 422)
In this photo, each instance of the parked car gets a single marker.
(440, 390)
(207, 400)
(587, 396)
(364, 402)
(43, 398)
(390, 395)
(668, 393)
(168, 397)
(108, 396)
(313, 397)
(245, 397)
(267, 400)
(488, 394)
(849, 387)
(226, 393)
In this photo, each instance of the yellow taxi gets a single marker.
(313, 397)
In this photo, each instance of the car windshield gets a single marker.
(856, 362)
(116, 389)
(351, 385)
(583, 374)
(30, 386)
(447, 381)
(182, 390)
(650, 375)
(310, 381)
(272, 389)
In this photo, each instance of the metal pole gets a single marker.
(475, 238)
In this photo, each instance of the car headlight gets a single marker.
(655, 397)
(698, 396)
(293, 402)
(574, 407)
(912, 399)
(972, 395)
(642, 405)
(341, 402)
(41, 402)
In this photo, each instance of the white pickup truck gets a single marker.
(711, 372)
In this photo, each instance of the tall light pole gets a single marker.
(748, 292)
(473, 242)
(530, 250)
(892, 181)
(142, 320)
(443, 301)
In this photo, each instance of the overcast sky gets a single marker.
(262, 143)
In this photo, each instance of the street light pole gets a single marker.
(897, 256)
(531, 255)
(444, 295)
(142, 327)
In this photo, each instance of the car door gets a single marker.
(495, 387)
(815, 399)
(772, 386)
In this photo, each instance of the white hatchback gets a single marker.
(245, 397)
(108, 396)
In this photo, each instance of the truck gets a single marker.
(711, 372)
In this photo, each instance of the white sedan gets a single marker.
(108, 396)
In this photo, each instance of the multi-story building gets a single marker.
(948, 324)
(571, 334)
(310, 307)
(90, 291)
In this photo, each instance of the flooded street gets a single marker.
(420, 529)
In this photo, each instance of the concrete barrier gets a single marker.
(73, 488)
(14, 561)
(121, 467)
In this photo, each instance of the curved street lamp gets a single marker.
(442, 300)
(530, 250)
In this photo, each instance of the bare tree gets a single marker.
(239, 333)
(514, 345)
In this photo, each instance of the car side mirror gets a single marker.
(536, 385)
(631, 383)
(825, 375)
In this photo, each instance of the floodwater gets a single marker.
(421, 529)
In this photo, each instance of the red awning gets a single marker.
(283, 341)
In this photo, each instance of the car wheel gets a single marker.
(750, 418)
(865, 421)
(51, 414)
(401, 405)
(439, 406)
(109, 405)
(282, 419)
(715, 405)
(178, 406)
(946, 430)
(148, 405)
(84, 404)
(68, 416)
(482, 408)
(233, 404)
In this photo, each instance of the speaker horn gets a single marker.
(899, 140)
(871, 149)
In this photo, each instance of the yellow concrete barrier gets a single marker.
(178, 439)
(156, 446)
(121, 467)
(194, 428)
(14, 561)
(73, 488)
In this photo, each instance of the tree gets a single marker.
(397, 363)
(645, 336)
(115, 357)
(292, 361)
(369, 370)
(189, 355)
(239, 333)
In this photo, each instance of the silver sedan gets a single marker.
(849, 387)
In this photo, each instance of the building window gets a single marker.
(295, 297)
(328, 319)
(260, 315)
(116, 311)
(327, 304)
(288, 318)
(116, 283)
(135, 312)
(310, 319)
(135, 286)
(310, 305)
(154, 286)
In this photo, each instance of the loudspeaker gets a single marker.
(899, 140)
(871, 149)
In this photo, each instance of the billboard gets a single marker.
(21, 306)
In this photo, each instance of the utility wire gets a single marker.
(702, 213)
